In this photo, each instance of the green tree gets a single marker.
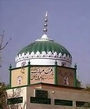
(3, 96)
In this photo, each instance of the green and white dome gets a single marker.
(44, 51)
(44, 46)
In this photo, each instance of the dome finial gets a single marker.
(45, 23)
(44, 36)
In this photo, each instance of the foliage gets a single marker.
(15, 94)
(3, 96)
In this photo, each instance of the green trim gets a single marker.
(18, 67)
(65, 67)
(40, 83)
(42, 66)
(10, 67)
(17, 87)
(33, 66)
(24, 86)
(55, 76)
(28, 73)
(75, 78)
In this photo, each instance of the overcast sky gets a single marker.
(69, 25)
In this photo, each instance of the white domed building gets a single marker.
(43, 77)
(44, 51)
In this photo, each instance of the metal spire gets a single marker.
(45, 23)
(44, 36)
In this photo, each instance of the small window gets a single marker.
(82, 104)
(41, 93)
(40, 100)
(65, 80)
(63, 102)
(19, 80)
(14, 100)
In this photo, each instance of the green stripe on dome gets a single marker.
(45, 46)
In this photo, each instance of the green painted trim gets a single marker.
(24, 86)
(43, 66)
(51, 66)
(65, 67)
(18, 67)
(75, 78)
(54, 85)
(10, 78)
(17, 87)
(10, 67)
(28, 73)
(55, 76)
(33, 66)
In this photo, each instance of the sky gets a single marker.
(69, 25)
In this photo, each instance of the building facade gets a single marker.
(43, 77)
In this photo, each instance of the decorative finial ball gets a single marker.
(75, 66)
(45, 25)
(45, 30)
(46, 20)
